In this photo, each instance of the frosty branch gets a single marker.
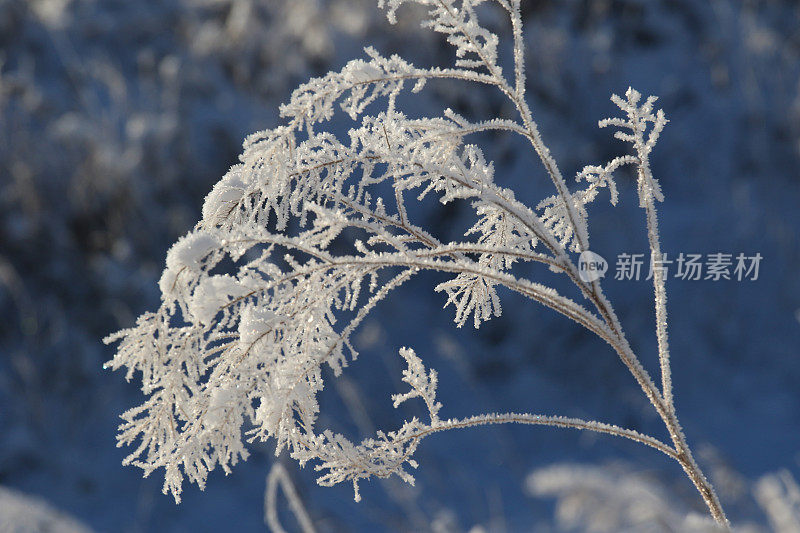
(308, 233)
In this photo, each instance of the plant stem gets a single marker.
(665, 411)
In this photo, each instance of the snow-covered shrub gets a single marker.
(20, 513)
(614, 498)
(779, 495)
(310, 231)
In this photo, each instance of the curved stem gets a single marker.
(661, 400)
(278, 477)
(665, 411)
(543, 420)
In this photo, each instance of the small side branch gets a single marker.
(545, 420)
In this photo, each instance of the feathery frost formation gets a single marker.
(301, 239)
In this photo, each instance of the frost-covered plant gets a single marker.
(779, 496)
(611, 499)
(22, 513)
(316, 232)
(278, 477)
